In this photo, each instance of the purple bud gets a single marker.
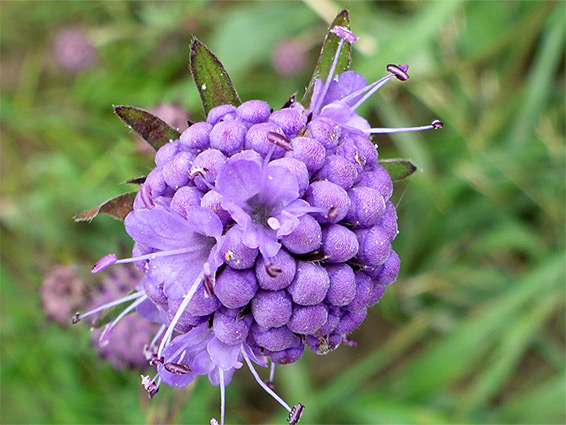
(390, 270)
(377, 179)
(364, 291)
(166, 152)
(290, 120)
(235, 288)
(339, 244)
(235, 253)
(202, 303)
(230, 329)
(339, 170)
(342, 284)
(306, 238)
(282, 261)
(296, 167)
(358, 149)
(366, 207)
(389, 221)
(213, 200)
(196, 136)
(156, 183)
(272, 309)
(288, 355)
(228, 136)
(185, 197)
(351, 321)
(306, 320)
(254, 111)
(376, 294)
(326, 195)
(374, 246)
(207, 165)
(221, 113)
(274, 339)
(334, 314)
(325, 131)
(310, 284)
(308, 151)
(257, 139)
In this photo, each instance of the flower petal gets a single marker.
(280, 187)
(204, 221)
(238, 180)
(224, 356)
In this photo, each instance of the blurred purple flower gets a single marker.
(72, 50)
(62, 293)
(289, 57)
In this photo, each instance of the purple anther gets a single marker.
(295, 414)
(76, 318)
(344, 34)
(399, 71)
(272, 270)
(208, 287)
(436, 124)
(213, 421)
(155, 360)
(151, 393)
(279, 140)
(149, 385)
(177, 368)
(104, 263)
(332, 214)
(270, 384)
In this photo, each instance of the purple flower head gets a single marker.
(62, 293)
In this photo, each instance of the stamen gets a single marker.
(213, 421)
(349, 342)
(399, 71)
(290, 101)
(262, 384)
(78, 317)
(198, 171)
(222, 396)
(273, 223)
(269, 382)
(208, 286)
(105, 337)
(279, 140)
(434, 125)
(156, 360)
(184, 303)
(329, 79)
(344, 34)
(295, 414)
(105, 262)
(177, 368)
(332, 214)
(156, 337)
(272, 270)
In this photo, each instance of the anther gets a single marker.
(272, 270)
(270, 384)
(436, 124)
(344, 34)
(76, 318)
(155, 360)
(213, 421)
(104, 263)
(145, 194)
(177, 368)
(290, 101)
(349, 342)
(399, 71)
(279, 140)
(332, 214)
(295, 414)
(198, 171)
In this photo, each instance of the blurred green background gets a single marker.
(472, 331)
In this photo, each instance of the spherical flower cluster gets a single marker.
(62, 293)
(261, 233)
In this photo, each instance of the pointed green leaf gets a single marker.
(212, 80)
(112, 313)
(154, 131)
(398, 169)
(117, 207)
(327, 54)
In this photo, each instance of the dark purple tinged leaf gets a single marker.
(398, 169)
(118, 207)
(154, 131)
(327, 53)
(212, 80)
